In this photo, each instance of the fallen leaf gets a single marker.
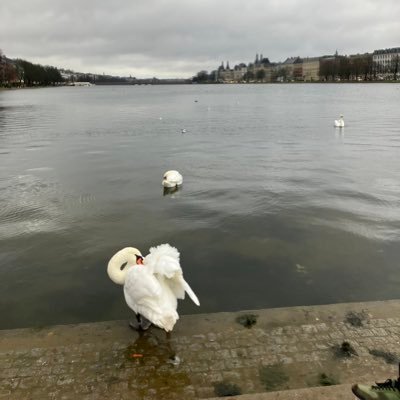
(136, 355)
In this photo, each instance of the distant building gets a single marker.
(310, 69)
(382, 64)
(66, 76)
(239, 71)
(260, 70)
(386, 59)
(289, 65)
(229, 75)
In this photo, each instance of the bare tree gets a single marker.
(260, 75)
(395, 66)
(2, 68)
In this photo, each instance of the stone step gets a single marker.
(336, 392)
(295, 350)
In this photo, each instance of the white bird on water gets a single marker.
(152, 285)
(339, 123)
(172, 179)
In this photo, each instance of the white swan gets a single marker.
(171, 179)
(339, 123)
(152, 284)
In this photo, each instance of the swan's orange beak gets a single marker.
(139, 260)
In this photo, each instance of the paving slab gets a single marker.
(208, 355)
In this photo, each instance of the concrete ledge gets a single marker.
(286, 349)
(337, 392)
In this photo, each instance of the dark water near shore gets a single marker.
(278, 207)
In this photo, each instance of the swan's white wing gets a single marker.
(164, 260)
(139, 287)
(145, 295)
(190, 292)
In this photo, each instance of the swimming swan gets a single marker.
(152, 285)
(172, 179)
(339, 123)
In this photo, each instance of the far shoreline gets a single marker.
(212, 83)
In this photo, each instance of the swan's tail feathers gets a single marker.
(191, 294)
(167, 322)
(163, 318)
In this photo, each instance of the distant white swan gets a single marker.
(172, 179)
(339, 123)
(183, 130)
(152, 285)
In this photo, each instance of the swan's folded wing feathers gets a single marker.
(164, 260)
(140, 286)
(143, 294)
(190, 292)
(165, 249)
(179, 286)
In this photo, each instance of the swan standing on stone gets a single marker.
(152, 285)
(172, 179)
(339, 123)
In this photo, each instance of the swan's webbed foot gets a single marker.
(174, 360)
(134, 324)
(144, 323)
(140, 323)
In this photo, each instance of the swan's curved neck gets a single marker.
(120, 262)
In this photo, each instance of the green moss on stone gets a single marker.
(273, 376)
(225, 389)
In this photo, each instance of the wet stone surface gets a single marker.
(287, 348)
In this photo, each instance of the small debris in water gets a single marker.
(247, 320)
(301, 269)
(225, 389)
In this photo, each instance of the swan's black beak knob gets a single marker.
(139, 259)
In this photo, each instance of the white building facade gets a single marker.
(386, 59)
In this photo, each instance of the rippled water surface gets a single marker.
(278, 207)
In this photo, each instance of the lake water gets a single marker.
(278, 208)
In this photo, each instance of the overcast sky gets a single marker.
(178, 38)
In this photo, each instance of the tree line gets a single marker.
(24, 73)
(357, 68)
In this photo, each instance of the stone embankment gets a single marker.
(285, 353)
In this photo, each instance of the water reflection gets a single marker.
(153, 359)
(152, 343)
(173, 191)
(339, 132)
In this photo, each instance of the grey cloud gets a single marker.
(180, 37)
